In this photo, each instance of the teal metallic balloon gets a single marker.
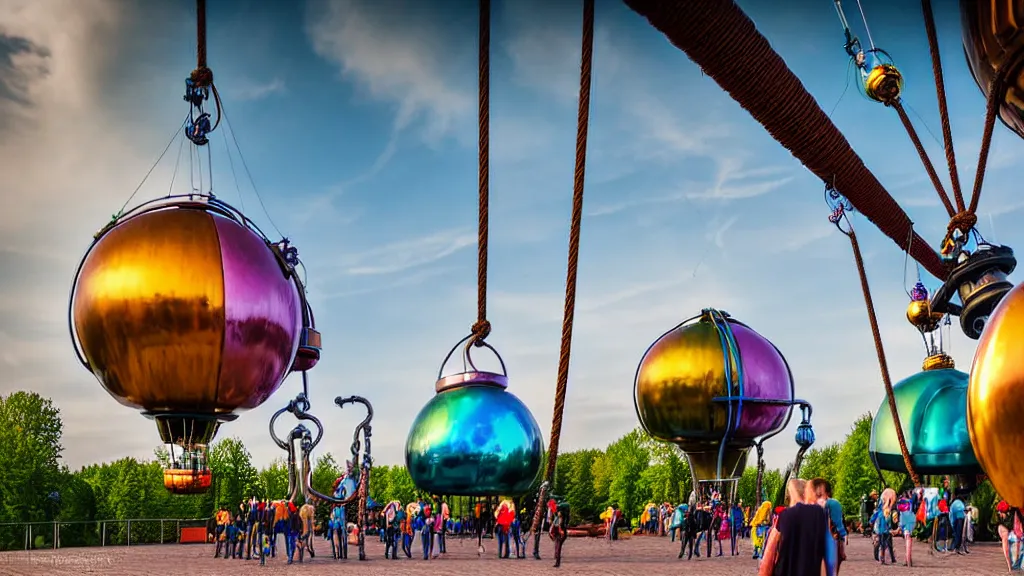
(474, 439)
(932, 406)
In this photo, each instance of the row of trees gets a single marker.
(633, 470)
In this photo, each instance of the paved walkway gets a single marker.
(649, 556)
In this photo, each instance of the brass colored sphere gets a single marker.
(992, 35)
(884, 83)
(995, 402)
(683, 379)
(183, 312)
(919, 313)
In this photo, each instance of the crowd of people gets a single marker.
(805, 537)
(253, 531)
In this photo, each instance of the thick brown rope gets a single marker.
(482, 328)
(202, 75)
(582, 125)
(727, 46)
(940, 90)
(928, 166)
(880, 350)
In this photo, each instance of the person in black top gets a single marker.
(689, 529)
(797, 545)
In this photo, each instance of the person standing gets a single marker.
(837, 526)
(797, 545)
(957, 513)
(689, 530)
(736, 527)
(559, 530)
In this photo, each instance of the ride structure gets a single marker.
(716, 388)
(474, 438)
(933, 409)
(183, 308)
(741, 60)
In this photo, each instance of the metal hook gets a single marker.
(363, 427)
(467, 357)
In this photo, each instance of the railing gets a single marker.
(75, 533)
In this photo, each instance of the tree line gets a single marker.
(36, 486)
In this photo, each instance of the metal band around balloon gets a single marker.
(731, 355)
(470, 374)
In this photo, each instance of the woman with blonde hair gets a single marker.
(759, 527)
(882, 521)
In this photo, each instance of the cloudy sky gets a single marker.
(358, 121)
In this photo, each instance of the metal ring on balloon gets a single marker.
(469, 368)
(730, 351)
(193, 201)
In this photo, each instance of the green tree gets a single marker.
(585, 505)
(667, 479)
(629, 459)
(30, 450)
(400, 485)
(235, 479)
(822, 463)
(325, 472)
(855, 473)
(273, 481)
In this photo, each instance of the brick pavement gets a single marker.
(649, 556)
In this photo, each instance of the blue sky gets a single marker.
(358, 121)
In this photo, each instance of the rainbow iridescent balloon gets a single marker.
(473, 438)
(184, 312)
(932, 406)
(713, 387)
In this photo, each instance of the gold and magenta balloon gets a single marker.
(188, 315)
(713, 387)
(995, 398)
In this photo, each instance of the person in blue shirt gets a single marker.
(735, 525)
(881, 521)
(837, 525)
(908, 522)
(678, 519)
(956, 518)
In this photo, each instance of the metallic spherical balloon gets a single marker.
(187, 315)
(992, 36)
(883, 81)
(995, 398)
(919, 313)
(683, 394)
(932, 406)
(474, 439)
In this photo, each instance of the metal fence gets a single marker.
(76, 533)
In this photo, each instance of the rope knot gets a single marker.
(481, 330)
(962, 221)
(202, 77)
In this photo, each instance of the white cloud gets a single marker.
(248, 90)
(402, 61)
(406, 254)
